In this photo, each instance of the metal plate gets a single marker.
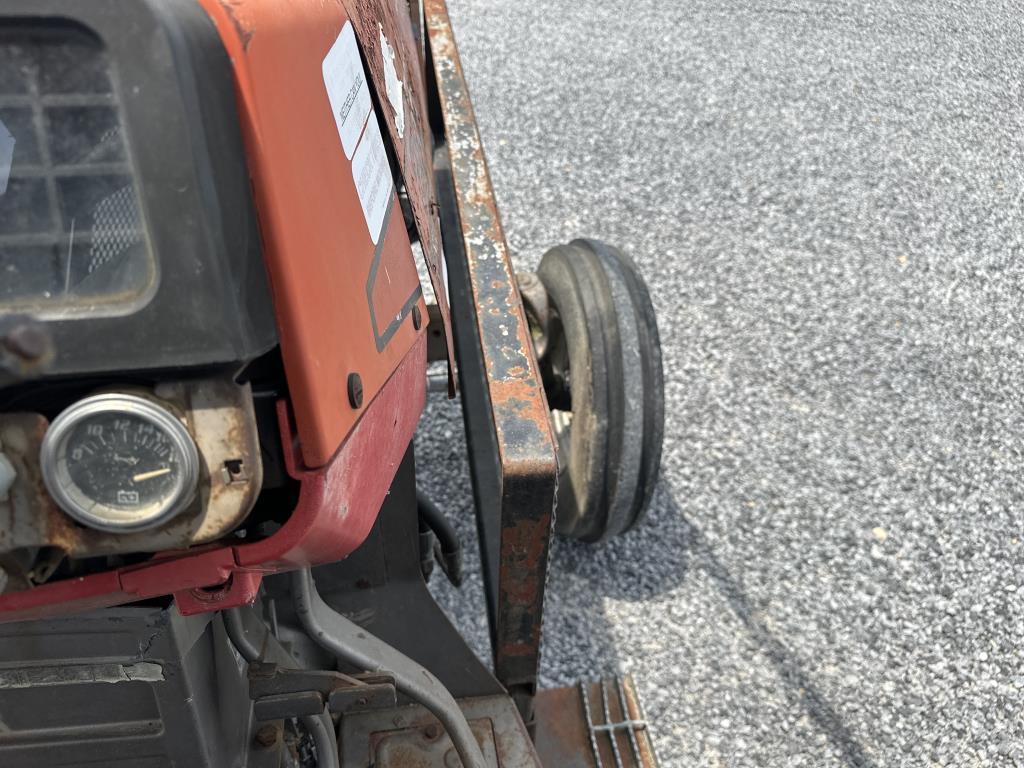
(337, 507)
(221, 421)
(593, 725)
(409, 737)
(388, 22)
(125, 688)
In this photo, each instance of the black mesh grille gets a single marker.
(71, 233)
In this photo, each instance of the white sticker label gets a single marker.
(372, 174)
(347, 88)
(6, 156)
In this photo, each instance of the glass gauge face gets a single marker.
(119, 463)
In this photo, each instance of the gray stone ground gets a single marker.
(826, 198)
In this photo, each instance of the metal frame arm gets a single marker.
(354, 645)
(320, 727)
(513, 457)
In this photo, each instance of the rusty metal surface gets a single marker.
(426, 747)
(527, 459)
(220, 418)
(388, 22)
(409, 737)
(436, 349)
(593, 725)
(355, 646)
(25, 507)
(336, 509)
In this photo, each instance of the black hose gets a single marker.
(447, 538)
(427, 543)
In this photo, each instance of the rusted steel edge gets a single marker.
(634, 711)
(526, 447)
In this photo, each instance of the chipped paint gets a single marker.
(412, 145)
(526, 448)
(392, 84)
(79, 674)
(243, 27)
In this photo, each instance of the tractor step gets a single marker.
(593, 725)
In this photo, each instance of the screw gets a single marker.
(266, 736)
(431, 731)
(417, 317)
(27, 341)
(355, 390)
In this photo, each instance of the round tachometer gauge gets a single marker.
(119, 463)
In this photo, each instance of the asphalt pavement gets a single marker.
(826, 200)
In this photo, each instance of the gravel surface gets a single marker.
(826, 198)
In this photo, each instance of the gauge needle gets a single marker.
(150, 475)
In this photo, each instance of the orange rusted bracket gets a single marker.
(512, 449)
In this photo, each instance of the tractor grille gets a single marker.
(71, 233)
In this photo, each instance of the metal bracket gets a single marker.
(280, 693)
(356, 646)
(512, 449)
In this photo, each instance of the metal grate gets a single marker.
(611, 726)
(71, 232)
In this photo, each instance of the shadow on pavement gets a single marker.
(579, 639)
(620, 570)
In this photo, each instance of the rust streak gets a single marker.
(526, 448)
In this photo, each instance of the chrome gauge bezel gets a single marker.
(53, 462)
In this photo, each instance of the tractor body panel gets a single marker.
(335, 243)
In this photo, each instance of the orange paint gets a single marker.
(317, 246)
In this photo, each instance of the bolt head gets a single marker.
(417, 317)
(355, 390)
(27, 341)
(266, 736)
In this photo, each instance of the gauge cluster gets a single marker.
(129, 471)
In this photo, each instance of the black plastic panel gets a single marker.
(139, 687)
